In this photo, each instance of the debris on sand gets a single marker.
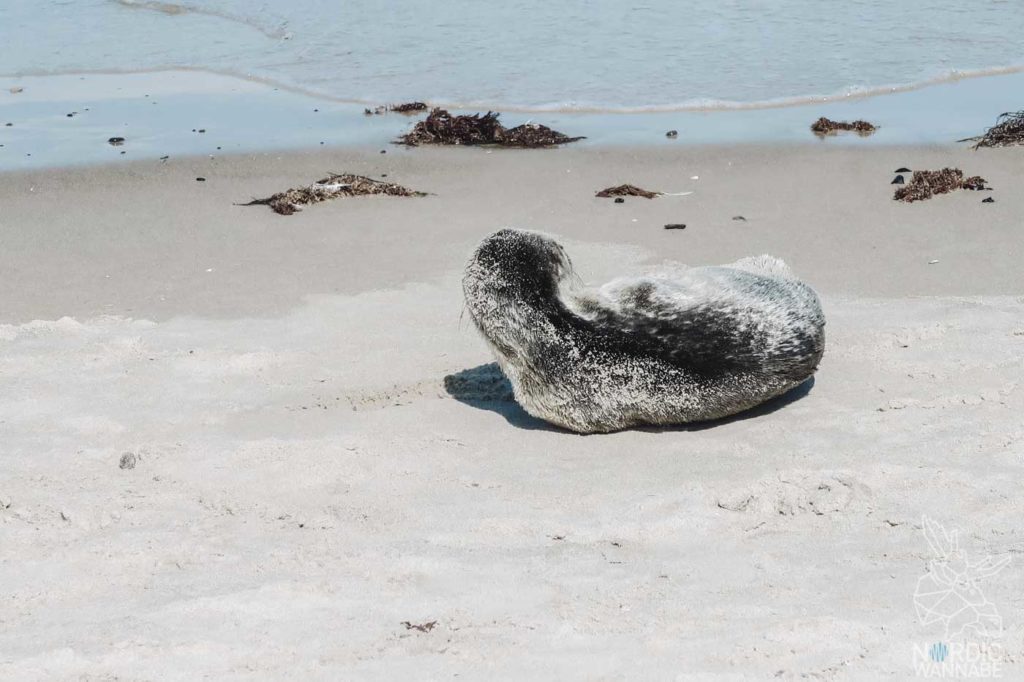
(333, 186)
(826, 126)
(672, 133)
(441, 127)
(15, 90)
(903, 169)
(627, 191)
(128, 461)
(1008, 130)
(404, 108)
(898, 180)
(422, 627)
(988, 200)
(676, 226)
(926, 184)
(115, 141)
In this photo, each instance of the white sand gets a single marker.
(305, 483)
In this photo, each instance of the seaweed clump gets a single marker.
(1008, 131)
(441, 127)
(333, 186)
(627, 191)
(404, 108)
(926, 184)
(826, 126)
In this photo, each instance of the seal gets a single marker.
(665, 348)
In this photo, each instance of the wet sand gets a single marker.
(307, 480)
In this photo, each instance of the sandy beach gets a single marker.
(331, 482)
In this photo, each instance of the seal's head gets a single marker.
(516, 267)
(512, 287)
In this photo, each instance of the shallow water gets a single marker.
(162, 113)
(594, 54)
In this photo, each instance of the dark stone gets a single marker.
(383, 151)
(989, 200)
(116, 141)
(898, 180)
(676, 226)
(672, 133)
(200, 179)
(902, 170)
(619, 200)
(739, 217)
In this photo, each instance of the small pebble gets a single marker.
(116, 141)
(619, 200)
(200, 179)
(672, 133)
(676, 226)
(202, 130)
(128, 460)
(383, 151)
(989, 200)
(9, 124)
(898, 180)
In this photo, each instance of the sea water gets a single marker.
(602, 55)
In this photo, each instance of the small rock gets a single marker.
(672, 133)
(902, 170)
(989, 200)
(116, 141)
(72, 114)
(739, 217)
(164, 158)
(200, 179)
(202, 130)
(619, 200)
(676, 226)
(128, 460)
(383, 151)
(8, 124)
(898, 180)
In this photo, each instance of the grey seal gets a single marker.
(674, 347)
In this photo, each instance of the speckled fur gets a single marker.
(669, 348)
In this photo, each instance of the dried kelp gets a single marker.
(441, 127)
(404, 108)
(826, 126)
(1008, 131)
(333, 186)
(926, 184)
(627, 191)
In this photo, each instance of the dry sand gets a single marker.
(305, 482)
